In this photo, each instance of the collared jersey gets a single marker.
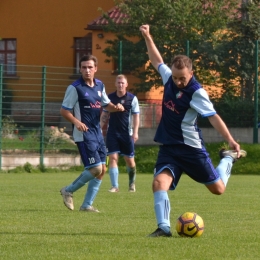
(86, 102)
(180, 109)
(121, 122)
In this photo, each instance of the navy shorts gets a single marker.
(92, 152)
(183, 158)
(121, 144)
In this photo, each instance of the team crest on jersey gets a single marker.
(122, 101)
(99, 93)
(170, 105)
(179, 94)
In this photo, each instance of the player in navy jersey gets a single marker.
(81, 106)
(182, 148)
(122, 133)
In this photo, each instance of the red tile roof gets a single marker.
(115, 14)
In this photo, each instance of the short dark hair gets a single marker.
(181, 62)
(88, 57)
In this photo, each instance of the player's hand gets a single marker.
(145, 30)
(135, 137)
(119, 107)
(81, 127)
(235, 146)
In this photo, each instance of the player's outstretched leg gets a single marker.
(232, 153)
(228, 158)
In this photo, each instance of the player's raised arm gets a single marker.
(153, 53)
(221, 127)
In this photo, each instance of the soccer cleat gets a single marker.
(89, 209)
(160, 233)
(114, 189)
(232, 153)
(67, 198)
(132, 188)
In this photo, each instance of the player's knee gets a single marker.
(131, 164)
(156, 183)
(101, 175)
(163, 180)
(159, 184)
(113, 160)
(218, 190)
(96, 171)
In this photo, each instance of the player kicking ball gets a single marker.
(182, 147)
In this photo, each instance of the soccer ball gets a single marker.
(190, 224)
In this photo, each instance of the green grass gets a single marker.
(36, 225)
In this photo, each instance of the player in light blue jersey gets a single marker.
(81, 106)
(182, 148)
(122, 133)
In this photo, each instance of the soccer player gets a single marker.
(182, 148)
(121, 134)
(81, 106)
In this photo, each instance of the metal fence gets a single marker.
(30, 113)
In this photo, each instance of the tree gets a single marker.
(172, 22)
(240, 41)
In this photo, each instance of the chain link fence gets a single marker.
(31, 125)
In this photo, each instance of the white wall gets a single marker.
(210, 135)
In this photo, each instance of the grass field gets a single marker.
(36, 225)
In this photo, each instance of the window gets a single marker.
(8, 56)
(82, 46)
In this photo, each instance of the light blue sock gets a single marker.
(113, 173)
(131, 173)
(83, 178)
(224, 168)
(162, 210)
(93, 188)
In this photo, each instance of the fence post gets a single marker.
(188, 48)
(120, 58)
(1, 110)
(255, 133)
(42, 115)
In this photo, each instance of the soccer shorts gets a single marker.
(121, 144)
(92, 152)
(186, 159)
